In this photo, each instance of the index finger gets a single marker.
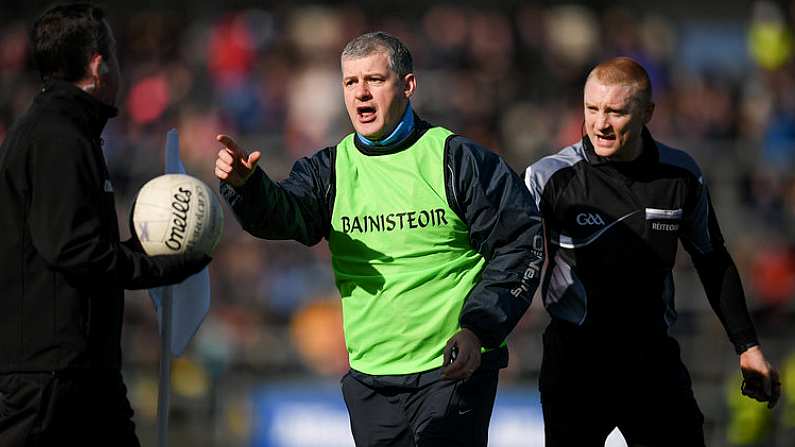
(460, 367)
(454, 371)
(227, 141)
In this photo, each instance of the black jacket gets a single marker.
(62, 267)
(612, 230)
(481, 188)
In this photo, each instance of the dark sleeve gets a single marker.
(701, 237)
(297, 207)
(504, 227)
(70, 213)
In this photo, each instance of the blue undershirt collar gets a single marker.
(402, 130)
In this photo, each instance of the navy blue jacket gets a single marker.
(63, 269)
(481, 188)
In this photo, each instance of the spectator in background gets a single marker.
(614, 206)
(431, 242)
(64, 268)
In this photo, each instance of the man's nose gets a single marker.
(602, 121)
(362, 91)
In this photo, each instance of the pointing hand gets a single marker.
(234, 165)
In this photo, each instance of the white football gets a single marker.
(177, 213)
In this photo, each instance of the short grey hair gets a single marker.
(399, 57)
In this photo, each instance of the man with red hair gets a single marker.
(614, 206)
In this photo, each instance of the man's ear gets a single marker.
(97, 67)
(409, 85)
(647, 114)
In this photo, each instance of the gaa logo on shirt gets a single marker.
(589, 219)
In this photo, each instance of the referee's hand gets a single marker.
(760, 379)
(234, 165)
(461, 355)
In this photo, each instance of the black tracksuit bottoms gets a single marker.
(420, 410)
(589, 388)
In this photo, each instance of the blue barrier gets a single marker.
(314, 415)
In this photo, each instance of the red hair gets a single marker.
(624, 71)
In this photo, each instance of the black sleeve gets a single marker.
(294, 208)
(504, 227)
(70, 216)
(701, 237)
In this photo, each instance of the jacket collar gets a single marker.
(419, 129)
(402, 130)
(83, 108)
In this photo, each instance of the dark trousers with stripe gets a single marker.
(421, 410)
(589, 387)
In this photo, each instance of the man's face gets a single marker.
(614, 119)
(108, 85)
(374, 95)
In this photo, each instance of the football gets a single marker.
(177, 213)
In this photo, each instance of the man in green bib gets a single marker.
(435, 243)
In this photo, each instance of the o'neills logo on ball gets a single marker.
(180, 207)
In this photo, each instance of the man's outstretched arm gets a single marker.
(295, 208)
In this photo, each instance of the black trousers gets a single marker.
(86, 408)
(420, 410)
(588, 389)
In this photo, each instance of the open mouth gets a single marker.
(365, 113)
(603, 140)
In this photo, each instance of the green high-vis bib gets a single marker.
(402, 258)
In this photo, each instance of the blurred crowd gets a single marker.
(508, 75)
